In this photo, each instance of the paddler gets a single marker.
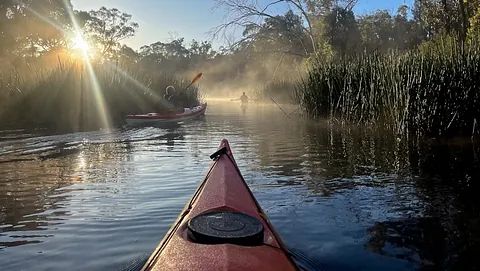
(244, 98)
(173, 100)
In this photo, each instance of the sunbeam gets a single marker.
(41, 17)
(79, 43)
(97, 91)
(139, 85)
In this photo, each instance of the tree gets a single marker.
(245, 13)
(167, 56)
(428, 14)
(342, 30)
(47, 22)
(376, 31)
(127, 56)
(464, 20)
(406, 32)
(10, 18)
(24, 24)
(449, 16)
(107, 27)
(280, 34)
(320, 8)
(29, 29)
(474, 29)
(200, 52)
(380, 31)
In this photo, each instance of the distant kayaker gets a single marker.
(244, 98)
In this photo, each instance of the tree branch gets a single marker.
(305, 15)
(240, 13)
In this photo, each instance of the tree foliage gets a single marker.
(37, 35)
(270, 43)
(107, 27)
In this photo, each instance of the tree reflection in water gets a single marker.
(446, 236)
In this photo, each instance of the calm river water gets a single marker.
(346, 198)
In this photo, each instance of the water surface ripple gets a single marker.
(347, 198)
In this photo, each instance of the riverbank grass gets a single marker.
(432, 90)
(75, 97)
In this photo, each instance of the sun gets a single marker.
(81, 48)
(80, 43)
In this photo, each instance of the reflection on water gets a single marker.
(341, 198)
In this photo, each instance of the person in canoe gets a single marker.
(173, 100)
(244, 98)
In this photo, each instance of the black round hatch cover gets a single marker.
(225, 227)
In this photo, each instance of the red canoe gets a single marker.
(222, 227)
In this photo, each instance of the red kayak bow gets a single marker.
(222, 227)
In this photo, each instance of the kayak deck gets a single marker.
(235, 234)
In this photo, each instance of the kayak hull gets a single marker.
(222, 190)
(155, 118)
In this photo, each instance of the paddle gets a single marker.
(287, 115)
(195, 79)
(237, 99)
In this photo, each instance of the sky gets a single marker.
(161, 20)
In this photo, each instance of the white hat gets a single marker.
(170, 89)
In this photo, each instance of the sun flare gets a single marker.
(80, 43)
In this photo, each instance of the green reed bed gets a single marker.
(426, 92)
(281, 90)
(69, 98)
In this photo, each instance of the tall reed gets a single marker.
(73, 97)
(428, 91)
(282, 90)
